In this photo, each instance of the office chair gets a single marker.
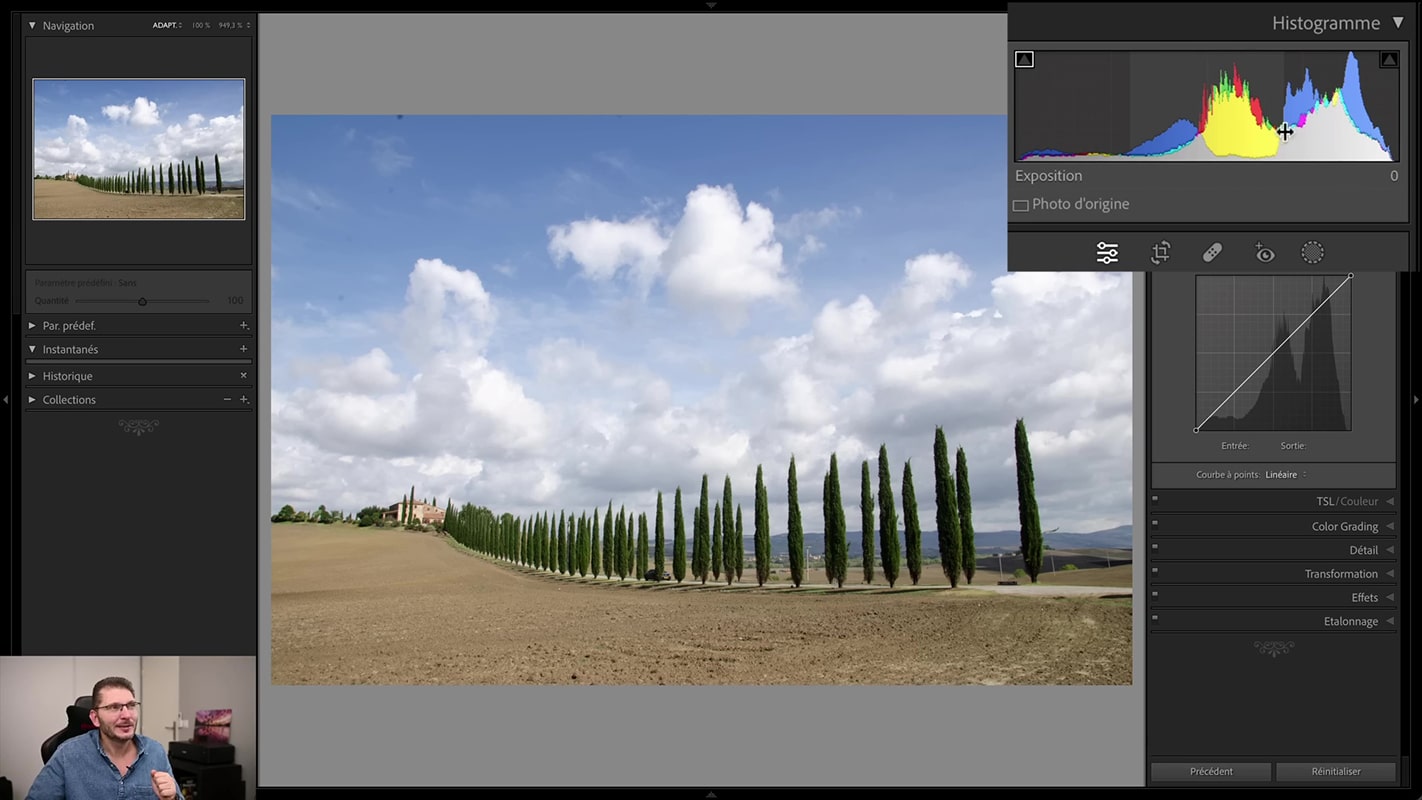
(78, 724)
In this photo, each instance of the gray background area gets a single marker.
(724, 736)
(1374, 343)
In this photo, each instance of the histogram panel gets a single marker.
(1273, 353)
(1316, 106)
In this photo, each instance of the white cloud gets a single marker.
(446, 308)
(372, 373)
(441, 416)
(142, 112)
(136, 139)
(567, 423)
(844, 330)
(724, 258)
(718, 257)
(602, 248)
(933, 278)
(803, 223)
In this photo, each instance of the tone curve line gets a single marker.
(1270, 357)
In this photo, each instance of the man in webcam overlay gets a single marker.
(87, 765)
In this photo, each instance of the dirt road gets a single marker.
(380, 606)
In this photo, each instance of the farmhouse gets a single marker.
(424, 513)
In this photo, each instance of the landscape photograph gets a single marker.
(640, 400)
(139, 149)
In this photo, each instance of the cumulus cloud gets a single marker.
(933, 278)
(725, 258)
(143, 112)
(567, 424)
(718, 257)
(133, 137)
(602, 248)
(448, 405)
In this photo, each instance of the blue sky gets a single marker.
(109, 127)
(555, 312)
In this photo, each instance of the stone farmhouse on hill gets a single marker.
(424, 513)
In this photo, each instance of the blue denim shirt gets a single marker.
(79, 768)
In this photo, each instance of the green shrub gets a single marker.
(1068, 567)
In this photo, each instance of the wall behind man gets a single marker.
(34, 691)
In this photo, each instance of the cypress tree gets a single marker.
(740, 545)
(913, 538)
(448, 525)
(582, 544)
(1027, 512)
(641, 546)
(729, 543)
(762, 529)
(607, 541)
(660, 551)
(570, 542)
(217, 169)
(825, 500)
(574, 551)
(841, 526)
(965, 518)
(560, 550)
(717, 550)
(595, 548)
(631, 544)
(945, 496)
(678, 539)
(173, 189)
(572, 545)
(888, 520)
(412, 487)
(621, 543)
(795, 538)
(701, 555)
(866, 515)
(696, 555)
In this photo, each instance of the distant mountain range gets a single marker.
(984, 542)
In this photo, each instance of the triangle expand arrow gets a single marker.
(1395, 21)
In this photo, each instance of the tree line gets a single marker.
(604, 543)
(181, 178)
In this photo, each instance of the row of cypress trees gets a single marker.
(598, 543)
(182, 178)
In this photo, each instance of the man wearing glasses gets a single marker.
(113, 761)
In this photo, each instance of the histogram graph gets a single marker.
(1317, 106)
(1273, 353)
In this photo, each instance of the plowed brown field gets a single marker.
(69, 200)
(381, 606)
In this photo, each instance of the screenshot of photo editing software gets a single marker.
(702, 401)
